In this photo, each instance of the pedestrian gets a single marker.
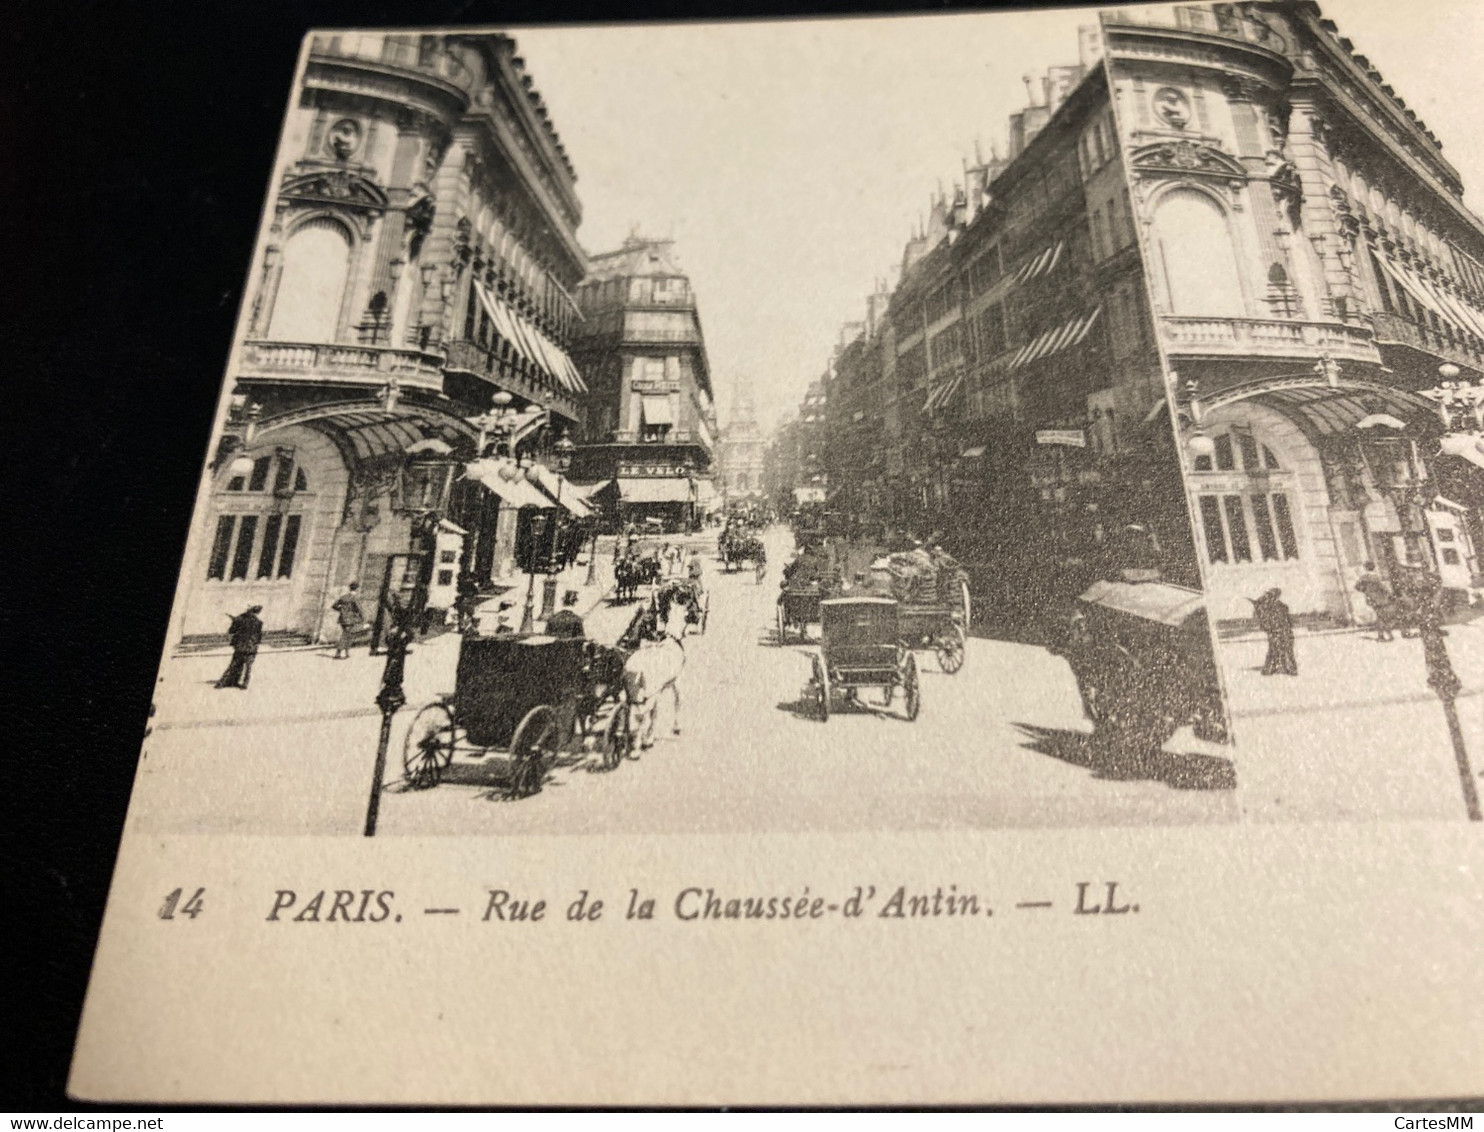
(351, 618)
(1382, 601)
(1274, 619)
(503, 618)
(245, 634)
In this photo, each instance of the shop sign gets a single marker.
(637, 470)
(1068, 437)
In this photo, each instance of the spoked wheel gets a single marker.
(821, 691)
(617, 739)
(535, 744)
(911, 692)
(428, 748)
(950, 648)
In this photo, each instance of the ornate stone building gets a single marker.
(420, 260)
(1311, 265)
(649, 440)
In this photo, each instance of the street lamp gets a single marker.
(562, 457)
(1452, 396)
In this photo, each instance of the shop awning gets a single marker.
(529, 341)
(505, 479)
(1337, 412)
(563, 492)
(944, 393)
(656, 490)
(1042, 264)
(657, 410)
(1452, 310)
(1055, 340)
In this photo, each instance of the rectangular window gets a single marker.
(1212, 526)
(247, 533)
(1262, 518)
(259, 478)
(1450, 557)
(221, 546)
(290, 546)
(1225, 460)
(1445, 535)
(269, 553)
(1236, 521)
(1286, 538)
(446, 556)
(1250, 461)
(445, 577)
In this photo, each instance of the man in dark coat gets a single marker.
(1382, 601)
(245, 634)
(1274, 619)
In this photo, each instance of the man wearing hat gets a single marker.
(1274, 619)
(503, 618)
(246, 634)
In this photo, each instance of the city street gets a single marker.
(999, 744)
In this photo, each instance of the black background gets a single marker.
(136, 143)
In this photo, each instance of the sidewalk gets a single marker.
(1358, 733)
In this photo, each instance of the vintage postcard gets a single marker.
(931, 560)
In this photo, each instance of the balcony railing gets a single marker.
(470, 357)
(1233, 337)
(1199, 18)
(1392, 329)
(336, 362)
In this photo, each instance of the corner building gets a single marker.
(420, 259)
(649, 440)
(1311, 265)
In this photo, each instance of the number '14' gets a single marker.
(191, 907)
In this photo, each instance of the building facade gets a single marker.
(648, 443)
(1311, 265)
(743, 453)
(420, 259)
(1224, 214)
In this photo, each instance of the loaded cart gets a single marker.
(1143, 659)
(861, 647)
(519, 703)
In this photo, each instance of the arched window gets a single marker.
(259, 521)
(1200, 265)
(316, 265)
(1243, 519)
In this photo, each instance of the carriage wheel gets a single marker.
(950, 648)
(821, 690)
(536, 742)
(617, 739)
(968, 604)
(428, 748)
(782, 626)
(911, 692)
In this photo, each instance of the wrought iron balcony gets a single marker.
(1269, 338)
(338, 363)
(472, 358)
(1394, 330)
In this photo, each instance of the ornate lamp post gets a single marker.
(390, 700)
(562, 459)
(1459, 403)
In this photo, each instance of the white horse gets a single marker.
(655, 667)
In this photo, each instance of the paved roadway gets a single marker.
(999, 744)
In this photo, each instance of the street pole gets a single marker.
(1444, 681)
(390, 700)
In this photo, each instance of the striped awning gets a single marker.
(943, 393)
(1451, 309)
(1055, 340)
(529, 341)
(1043, 263)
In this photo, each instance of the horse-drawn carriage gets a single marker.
(862, 647)
(798, 608)
(737, 548)
(528, 699)
(935, 608)
(525, 702)
(1141, 654)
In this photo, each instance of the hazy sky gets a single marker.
(790, 160)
